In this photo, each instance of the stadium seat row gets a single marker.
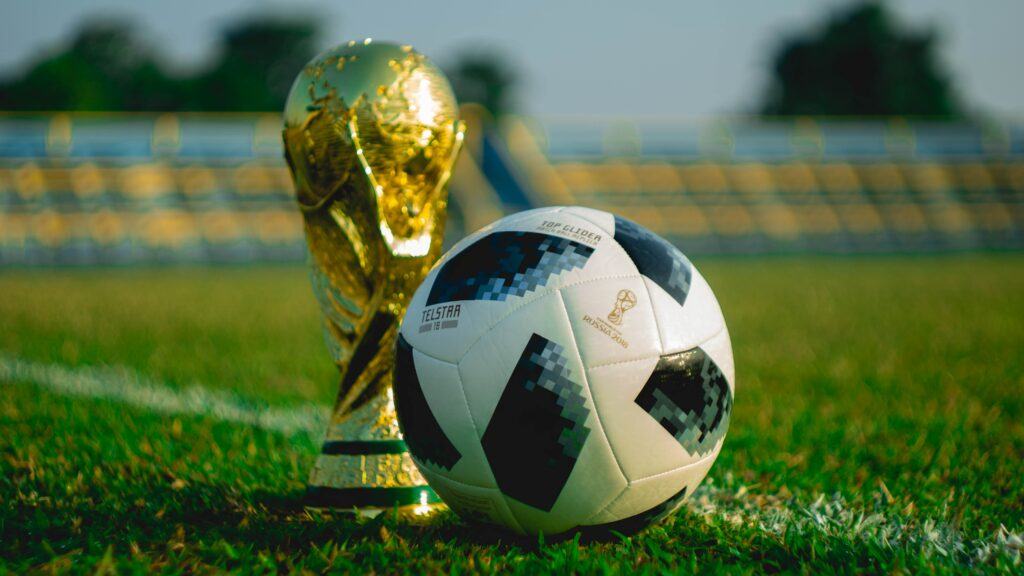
(58, 205)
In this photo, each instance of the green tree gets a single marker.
(257, 63)
(485, 78)
(862, 62)
(106, 66)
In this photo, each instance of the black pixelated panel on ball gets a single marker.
(655, 258)
(422, 433)
(506, 264)
(688, 395)
(538, 427)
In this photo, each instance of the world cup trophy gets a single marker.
(371, 135)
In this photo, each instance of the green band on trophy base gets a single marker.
(368, 497)
(362, 447)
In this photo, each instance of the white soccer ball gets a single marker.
(564, 368)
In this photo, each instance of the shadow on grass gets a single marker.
(223, 526)
(152, 519)
(157, 519)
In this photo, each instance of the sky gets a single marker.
(575, 58)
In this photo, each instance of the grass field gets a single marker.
(878, 426)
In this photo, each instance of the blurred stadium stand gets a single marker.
(124, 189)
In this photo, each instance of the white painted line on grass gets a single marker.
(131, 388)
(833, 517)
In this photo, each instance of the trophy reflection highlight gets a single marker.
(371, 134)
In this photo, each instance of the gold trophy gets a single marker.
(371, 134)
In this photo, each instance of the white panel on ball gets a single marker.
(473, 502)
(641, 446)
(719, 348)
(589, 478)
(458, 300)
(445, 331)
(686, 326)
(647, 494)
(607, 260)
(612, 320)
(600, 218)
(594, 484)
(442, 389)
(488, 364)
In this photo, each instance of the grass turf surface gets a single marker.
(877, 426)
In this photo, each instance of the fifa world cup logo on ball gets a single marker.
(371, 134)
(623, 301)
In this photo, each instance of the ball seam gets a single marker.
(590, 391)
(664, 353)
(539, 297)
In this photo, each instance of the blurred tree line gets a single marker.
(109, 65)
(861, 62)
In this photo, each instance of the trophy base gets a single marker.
(368, 477)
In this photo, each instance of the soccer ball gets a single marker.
(564, 368)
